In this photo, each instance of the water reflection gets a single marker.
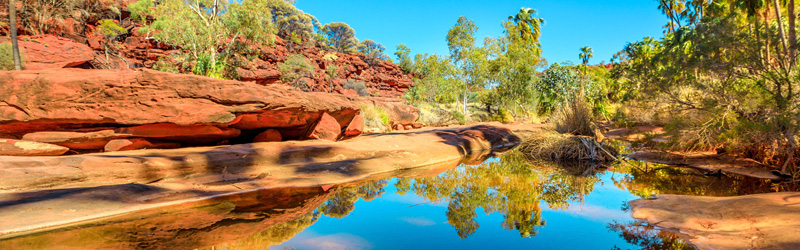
(648, 237)
(509, 185)
(523, 194)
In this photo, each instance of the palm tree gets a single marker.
(529, 26)
(586, 54)
(12, 19)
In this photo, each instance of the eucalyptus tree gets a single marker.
(341, 37)
(202, 27)
(372, 50)
(461, 43)
(403, 59)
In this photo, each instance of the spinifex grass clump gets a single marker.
(574, 116)
(551, 145)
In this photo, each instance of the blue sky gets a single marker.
(606, 26)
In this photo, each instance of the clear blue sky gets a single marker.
(606, 26)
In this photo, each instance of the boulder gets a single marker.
(47, 52)
(399, 127)
(72, 99)
(356, 127)
(269, 135)
(138, 143)
(11, 147)
(408, 127)
(75, 140)
(325, 129)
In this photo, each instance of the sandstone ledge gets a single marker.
(94, 186)
(762, 221)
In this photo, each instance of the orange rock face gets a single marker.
(72, 99)
(326, 129)
(10, 147)
(48, 52)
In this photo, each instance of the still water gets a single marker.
(507, 202)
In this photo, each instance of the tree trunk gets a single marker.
(792, 35)
(12, 20)
(780, 26)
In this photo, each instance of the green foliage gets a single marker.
(141, 9)
(109, 29)
(294, 68)
(404, 59)
(556, 84)
(359, 86)
(585, 55)
(292, 24)
(341, 37)
(6, 58)
(459, 117)
(504, 116)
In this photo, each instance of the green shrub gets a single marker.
(358, 86)
(6, 57)
(504, 116)
(459, 116)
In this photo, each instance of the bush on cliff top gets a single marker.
(358, 86)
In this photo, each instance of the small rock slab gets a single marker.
(75, 140)
(11, 147)
(327, 128)
(138, 143)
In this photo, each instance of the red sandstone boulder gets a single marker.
(270, 135)
(356, 126)
(69, 99)
(75, 140)
(138, 143)
(408, 127)
(46, 52)
(12, 147)
(188, 133)
(326, 129)
(399, 127)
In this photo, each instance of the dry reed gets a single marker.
(551, 145)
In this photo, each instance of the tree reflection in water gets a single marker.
(511, 186)
(648, 237)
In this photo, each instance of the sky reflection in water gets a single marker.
(509, 203)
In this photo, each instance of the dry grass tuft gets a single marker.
(554, 146)
(574, 117)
